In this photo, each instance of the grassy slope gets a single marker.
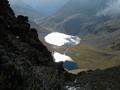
(91, 58)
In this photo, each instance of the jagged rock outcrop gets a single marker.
(108, 79)
(25, 63)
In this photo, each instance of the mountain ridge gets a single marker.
(26, 64)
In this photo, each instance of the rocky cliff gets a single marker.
(25, 63)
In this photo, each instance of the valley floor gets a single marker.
(93, 58)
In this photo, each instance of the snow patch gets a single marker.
(61, 58)
(68, 62)
(61, 39)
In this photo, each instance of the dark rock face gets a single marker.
(25, 63)
(108, 79)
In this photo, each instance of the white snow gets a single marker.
(68, 62)
(61, 39)
(61, 58)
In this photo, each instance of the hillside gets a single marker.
(79, 17)
(21, 8)
(74, 9)
(100, 34)
(26, 64)
(86, 7)
(41, 7)
(93, 58)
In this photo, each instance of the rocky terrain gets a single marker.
(26, 64)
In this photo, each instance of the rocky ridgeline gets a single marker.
(26, 64)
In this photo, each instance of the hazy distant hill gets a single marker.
(22, 8)
(84, 7)
(80, 17)
(44, 7)
(74, 14)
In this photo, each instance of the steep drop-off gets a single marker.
(25, 63)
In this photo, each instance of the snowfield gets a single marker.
(61, 39)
